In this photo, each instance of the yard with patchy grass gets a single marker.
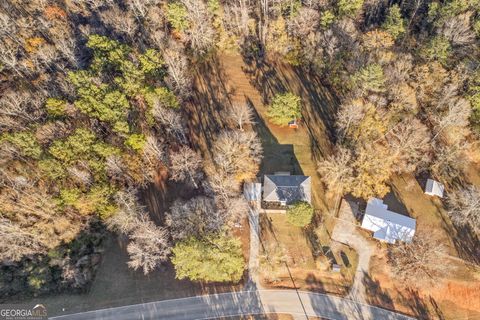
(293, 252)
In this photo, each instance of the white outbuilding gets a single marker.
(434, 188)
(386, 225)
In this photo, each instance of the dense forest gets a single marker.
(92, 100)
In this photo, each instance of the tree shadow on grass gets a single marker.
(205, 108)
(314, 284)
(276, 156)
(313, 241)
(467, 243)
(415, 303)
(375, 295)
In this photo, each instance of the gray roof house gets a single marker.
(286, 189)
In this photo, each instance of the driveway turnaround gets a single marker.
(243, 303)
(346, 232)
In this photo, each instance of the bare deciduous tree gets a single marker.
(116, 169)
(458, 30)
(236, 17)
(455, 118)
(337, 171)
(421, 260)
(185, 165)
(129, 213)
(8, 56)
(409, 143)
(141, 7)
(404, 99)
(121, 21)
(194, 217)
(241, 114)
(237, 152)
(305, 22)
(171, 121)
(350, 115)
(18, 109)
(449, 160)
(179, 77)
(234, 209)
(221, 184)
(51, 131)
(80, 175)
(153, 151)
(148, 247)
(16, 242)
(201, 33)
(464, 207)
(399, 70)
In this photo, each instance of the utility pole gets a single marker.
(296, 290)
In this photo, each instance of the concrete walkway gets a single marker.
(243, 303)
(347, 232)
(253, 261)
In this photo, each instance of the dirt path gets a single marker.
(347, 232)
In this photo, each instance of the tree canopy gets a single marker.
(300, 214)
(284, 108)
(211, 259)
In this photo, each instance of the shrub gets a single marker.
(136, 141)
(177, 16)
(213, 258)
(26, 143)
(284, 108)
(349, 7)
(394, 24)
(300, 214)
(327, 18)
(55, 107)
(370, 78)
(438, 48)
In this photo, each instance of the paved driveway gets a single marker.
(243, 303)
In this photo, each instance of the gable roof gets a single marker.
(434, 188)
(387, 225)
(286, 188)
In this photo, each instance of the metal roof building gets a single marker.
(387, 225)
(286, 189)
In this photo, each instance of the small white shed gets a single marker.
(434, 188)
(336, 268)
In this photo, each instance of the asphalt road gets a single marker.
(243, 303)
